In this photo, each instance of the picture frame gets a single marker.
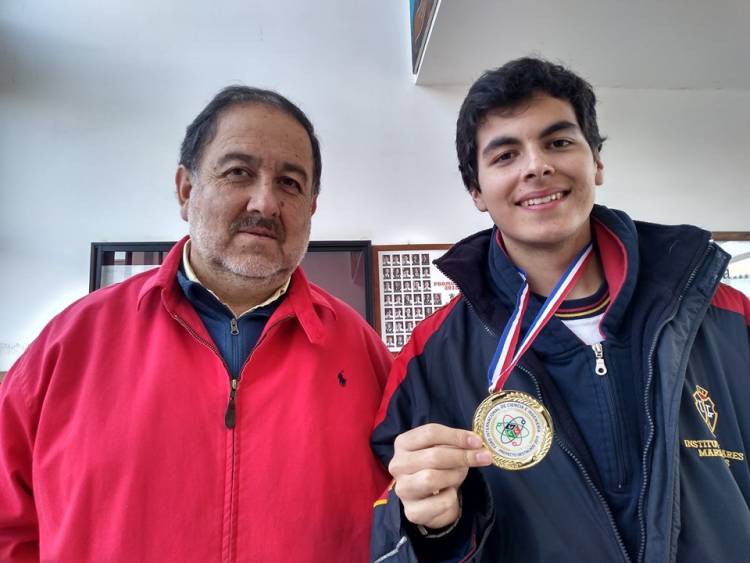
(343, 268)
(405, 293)
(737, 244)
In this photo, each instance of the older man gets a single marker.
(217, 408)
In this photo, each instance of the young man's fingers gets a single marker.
(436, 511)
(425, 483)
(432, 434)
(437, 457)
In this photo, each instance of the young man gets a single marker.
(642, 367)
(215, 409)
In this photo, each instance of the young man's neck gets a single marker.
(545, 266)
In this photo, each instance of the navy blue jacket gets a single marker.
(674, 329)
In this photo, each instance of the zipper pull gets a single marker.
(600, 368)
(230, 417)
(234, 328)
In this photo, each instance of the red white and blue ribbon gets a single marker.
(508, 351)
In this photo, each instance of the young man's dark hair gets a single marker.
(203, 128)
(507, 87)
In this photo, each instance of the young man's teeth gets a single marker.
(540, 200)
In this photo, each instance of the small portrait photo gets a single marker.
(388, 328)
(415, 259)
(417, 299)
(427, 285)
(386, 259)
(396, 260)
(427, 311)
(407, 285)
(389, 341)
(408, 313)
(399, 313)
(388, 299)
(417, 285)
(407, 299)
(399, 340)
(406, 273)
(425, 259)
(399, 326)
(437, 299)
(427, 298)
(396, 273)
(405, 260)
(398, 299)
(386, 273)
(387, 287)
(409, 326)
(418, 314)
(425, 271)
(415, 272)
(388, 313)
(397, 287)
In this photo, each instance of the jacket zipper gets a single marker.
(600, 368)
(646, 395)
(563, 447)
(582, 469)
(230, 416)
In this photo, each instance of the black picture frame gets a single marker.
(144, 254)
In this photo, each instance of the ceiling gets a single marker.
(657, 44)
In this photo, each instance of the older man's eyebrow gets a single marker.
(563, 125)
(294, 168)
(241, 156)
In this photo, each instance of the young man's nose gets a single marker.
(537, 166)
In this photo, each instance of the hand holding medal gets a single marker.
(514, 426)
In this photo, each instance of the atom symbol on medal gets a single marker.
(512, 430)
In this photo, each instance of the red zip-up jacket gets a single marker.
(113, 443)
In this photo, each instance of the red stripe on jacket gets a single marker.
(414, 347)
(731, 299)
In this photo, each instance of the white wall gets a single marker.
(95, 97)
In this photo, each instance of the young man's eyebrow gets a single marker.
(563, 125)
(498, 142)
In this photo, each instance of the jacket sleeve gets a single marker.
(394, 538)
(18, 520)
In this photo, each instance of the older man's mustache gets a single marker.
(258, 224)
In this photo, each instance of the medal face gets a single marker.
(515, 428)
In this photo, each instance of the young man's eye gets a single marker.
(503, 157)
(560, 143)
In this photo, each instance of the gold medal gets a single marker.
(515, 428)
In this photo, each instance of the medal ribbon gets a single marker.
(508, 351)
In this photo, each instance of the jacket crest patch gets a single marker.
(706, 407)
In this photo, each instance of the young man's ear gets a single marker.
(476, 195)
(184, 182)
(599, 171)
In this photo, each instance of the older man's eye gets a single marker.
(237, 172)
(290, 183)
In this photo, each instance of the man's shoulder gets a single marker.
(119, 299)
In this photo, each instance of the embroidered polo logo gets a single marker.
(342, 379)
(706, 407)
